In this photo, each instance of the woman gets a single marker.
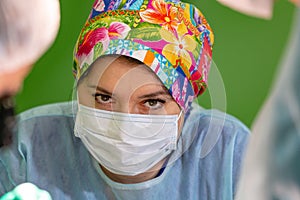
(137, 134)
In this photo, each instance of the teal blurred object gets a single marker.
(247, 52)
(271, 165)
(26, 191)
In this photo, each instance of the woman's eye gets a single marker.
(154, 103)
(102, 98)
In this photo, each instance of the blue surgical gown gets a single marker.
(45, 152)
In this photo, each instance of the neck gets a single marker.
(148, 175)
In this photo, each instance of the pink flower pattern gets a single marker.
(99, 5)
(116, 30)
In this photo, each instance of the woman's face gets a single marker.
(128, 87)
(122, 86)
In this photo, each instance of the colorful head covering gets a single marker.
(171, 37)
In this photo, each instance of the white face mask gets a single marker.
(126, 144)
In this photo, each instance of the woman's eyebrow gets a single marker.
(154, 94)
(100, 89)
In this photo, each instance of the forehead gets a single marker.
(122, 73)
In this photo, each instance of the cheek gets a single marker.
(84, 96)
(84, 100)
(172, 108)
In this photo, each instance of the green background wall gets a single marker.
(247, 51)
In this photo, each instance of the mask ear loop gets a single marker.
(177, 122)
(180, 114)
(77, 96)
(75, 106)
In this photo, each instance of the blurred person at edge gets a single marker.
(272, 163)
(135, 131)
(27, 29)
(256, 8)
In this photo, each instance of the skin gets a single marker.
(296, 2)
(11, 82)
(127, 88)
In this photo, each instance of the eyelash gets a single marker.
(158, 101)
(161, 101)
(96, 96)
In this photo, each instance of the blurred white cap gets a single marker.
(257, 8)
(27, 29)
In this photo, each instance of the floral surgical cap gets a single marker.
(171, 37)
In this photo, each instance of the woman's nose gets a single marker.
(125, 107)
